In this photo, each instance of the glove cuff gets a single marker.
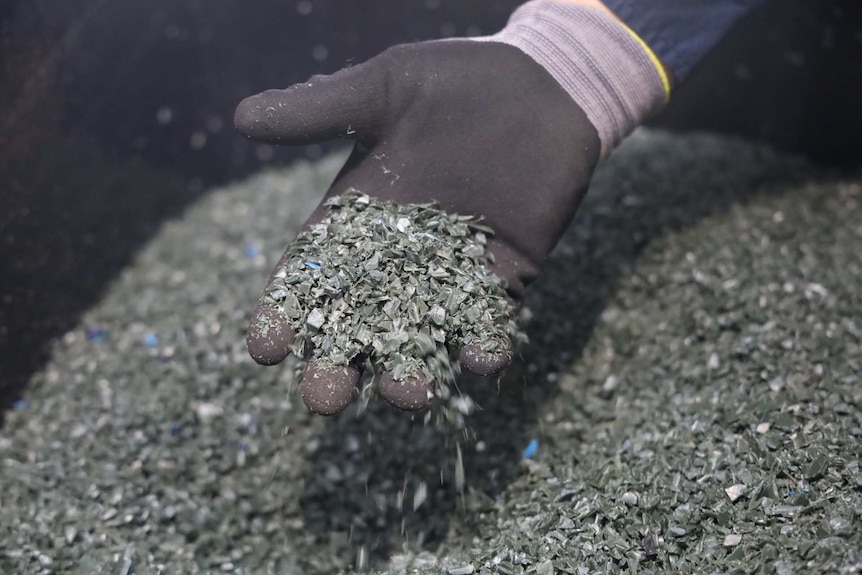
(607, 70)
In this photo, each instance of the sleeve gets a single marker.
(681, 32)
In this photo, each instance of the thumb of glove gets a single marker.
(348, 103)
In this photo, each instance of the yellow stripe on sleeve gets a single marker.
(665, 80)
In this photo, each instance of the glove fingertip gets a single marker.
(484, 363)
(327, 390)
(269, 336)
(407, 394)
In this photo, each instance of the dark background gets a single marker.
(115, 114)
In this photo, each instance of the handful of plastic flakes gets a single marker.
(396, 288)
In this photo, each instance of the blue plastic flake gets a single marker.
(151, 340)
(20, 404)
(791, 493)
(252, 250)
(97, 335)
(531, 448)
(175, 429)
(313, 265)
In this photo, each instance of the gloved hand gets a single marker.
(480, 127)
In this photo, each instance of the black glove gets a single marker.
(478, 127)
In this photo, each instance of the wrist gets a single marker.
(609, 72)
(663, 68)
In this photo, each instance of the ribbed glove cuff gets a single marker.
(606, 69)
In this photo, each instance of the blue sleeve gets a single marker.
(681, 32)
